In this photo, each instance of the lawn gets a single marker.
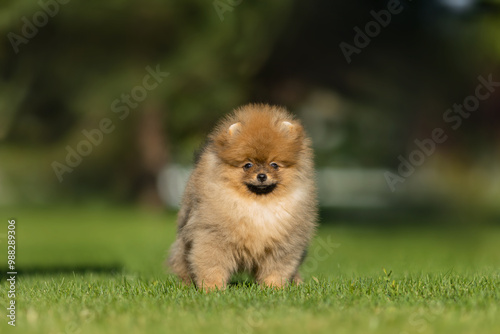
(100, 270)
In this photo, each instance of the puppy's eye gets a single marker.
(274, 165)
(248, 166)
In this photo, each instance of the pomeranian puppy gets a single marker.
(250, 203)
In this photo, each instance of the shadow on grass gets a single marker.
(242, 284)
(242, 280)
(54, 270)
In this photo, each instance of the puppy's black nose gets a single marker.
(261, 177)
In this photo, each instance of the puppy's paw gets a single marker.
(208, 285)
(274, 281)
(297, 279)
(212, 287)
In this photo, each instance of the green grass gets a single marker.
(95, 270)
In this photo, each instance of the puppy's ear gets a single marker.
(286, 125)
(293, 130)
(233, 129)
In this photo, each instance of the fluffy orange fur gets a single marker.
(250, 203)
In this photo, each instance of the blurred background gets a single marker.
(105, 102)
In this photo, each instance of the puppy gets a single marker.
(250, 203)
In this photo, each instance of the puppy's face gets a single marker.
(260, 156)
(261, 178)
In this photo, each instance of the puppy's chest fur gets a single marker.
(257, 228)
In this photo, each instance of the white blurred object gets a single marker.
(171, 183)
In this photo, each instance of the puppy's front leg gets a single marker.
(212, 265)
(279, 271)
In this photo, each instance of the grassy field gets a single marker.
(95, 270)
